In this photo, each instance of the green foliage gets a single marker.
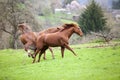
(21, 6)
(92, 19)
(98, 41)
(56, 19)
(90, 64)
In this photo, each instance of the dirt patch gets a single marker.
(104, 45)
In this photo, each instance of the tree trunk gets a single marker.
(13, 42)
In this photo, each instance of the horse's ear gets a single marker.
(58, 28)
(20, 26)
(68, 25)
(64, 25)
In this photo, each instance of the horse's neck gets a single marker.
(26, 31)
(36, 34)
(68, 32)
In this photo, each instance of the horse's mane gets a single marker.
(47, 30)
(67, 26)
(51, 30)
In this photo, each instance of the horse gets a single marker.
(28, 37)
(57, 39)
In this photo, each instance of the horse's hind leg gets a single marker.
(52, 52)
(62, 51)
(44, 56)
(66, 46)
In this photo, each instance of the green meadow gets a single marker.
(93, 62)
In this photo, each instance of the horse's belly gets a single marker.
(53, 43)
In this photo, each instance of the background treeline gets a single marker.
(41, 14)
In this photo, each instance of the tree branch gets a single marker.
(107, 38)
(6, 31)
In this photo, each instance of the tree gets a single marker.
(116, 4)
(65, 2)
(13, 12)
(9, 19)
(92, 19)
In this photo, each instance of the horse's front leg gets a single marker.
(66, 46)
(42, 51)
(44, 56)
(26, 47)
(62, 51)
(34, 55)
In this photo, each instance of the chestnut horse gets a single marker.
(57, 39)
(28, 38)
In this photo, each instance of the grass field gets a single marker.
(93, 63)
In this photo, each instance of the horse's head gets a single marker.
(76, 28)
(23, 27)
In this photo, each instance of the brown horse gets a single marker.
(50, 30)
(57, 39)
(28, 38)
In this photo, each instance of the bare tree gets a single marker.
(107, 36)
(13, 12)
(9, 19)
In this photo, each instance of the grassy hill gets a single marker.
(94, 62)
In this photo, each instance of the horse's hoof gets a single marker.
(33, 62)
(29, 55)
(38, 61)
(53, 58)
(33, 56)
(44, 58)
